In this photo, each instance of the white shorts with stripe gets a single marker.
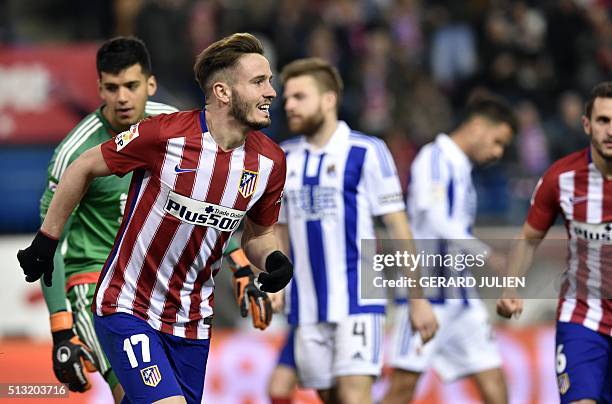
(325, 351)
(464, 344)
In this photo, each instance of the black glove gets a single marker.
(251, 298)
(71, 356)
(279, 273)
(37, 259)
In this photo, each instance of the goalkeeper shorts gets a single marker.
(81, 297)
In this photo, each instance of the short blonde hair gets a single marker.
(324, 74)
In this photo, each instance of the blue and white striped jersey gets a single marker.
(330, 197)
(442, 203)
(441, 196)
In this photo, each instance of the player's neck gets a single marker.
(459, 138)
(322, 136)
(226, 133)
(603, 165)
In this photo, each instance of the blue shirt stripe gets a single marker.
(352, 177)
(316, 248)
(441, 271)
(382, 154)
(450, 194)
(450, 190)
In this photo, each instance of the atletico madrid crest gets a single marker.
(151, 376)
(563, 382)
(248, 183)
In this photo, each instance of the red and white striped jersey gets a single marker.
(186, 198)
(574, 187)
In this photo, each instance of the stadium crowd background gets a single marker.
(409, 66)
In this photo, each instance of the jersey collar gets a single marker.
(336, 142)
(454, 152)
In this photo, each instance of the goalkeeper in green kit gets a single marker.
(125, 82)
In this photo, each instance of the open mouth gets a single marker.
(124, 111)
(264, 108)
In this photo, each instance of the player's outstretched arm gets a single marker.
(71, 188)
(37, 259)
(55, 295)
(262, 248)
(519, 262)
(422, 317)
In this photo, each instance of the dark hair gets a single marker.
(492, 108)
(120, 53)
(601, 90)
(325, 75)
(223, 55)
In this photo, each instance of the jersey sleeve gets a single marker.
(63, 155)
(266, 210)
(52, 181)
(382, 184)
(544, 203)
(133, 149)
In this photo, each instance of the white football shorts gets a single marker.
(325, 351)
(464, 344)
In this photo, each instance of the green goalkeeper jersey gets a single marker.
(91, 231)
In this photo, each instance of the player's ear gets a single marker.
(222, 92)
(151, 85)
(586, 125)
(330, 100)
(100, 88)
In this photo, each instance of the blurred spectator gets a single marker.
(171, 29)
(453, 50)
(294, 20)
(565, 130)
(322, 43)
(531, 141)
(403, 151)
(425, 111)
(377, 100)
(499, 62)
(407, 33)
(125, 12)
(601, 62)
(53, 21)
(568, 37)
